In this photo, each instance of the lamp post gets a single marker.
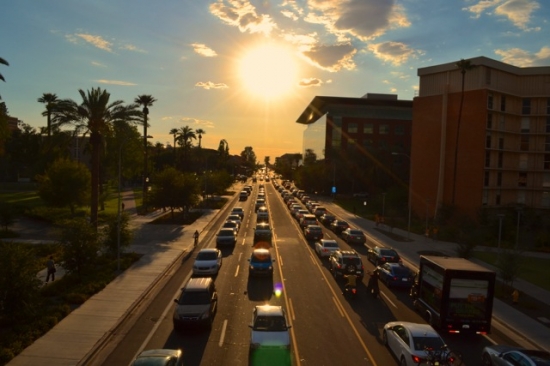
(410, 198)
(500, 217)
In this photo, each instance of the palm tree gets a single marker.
(464, 66)
(186, 134)
(3, 62)
(200, 132)
(97, 115)
(145, 101)
(50, 100)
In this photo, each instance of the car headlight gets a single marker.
(251, 268)
(270, 268)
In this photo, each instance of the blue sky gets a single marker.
(244, 70)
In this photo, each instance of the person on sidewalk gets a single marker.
(50, 265)
(196, 237)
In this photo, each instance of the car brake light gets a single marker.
(394, 278)
(354, 291)
(383, 259)
(416, 360)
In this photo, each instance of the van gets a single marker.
(196, 304)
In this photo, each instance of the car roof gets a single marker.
(418, 329)
(209, 250)
(261, 251)
(238, 209)
(144, 358)
(269, 310)
(329, 241)
(198, 283)
(224, 230)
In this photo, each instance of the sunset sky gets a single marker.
(245, 70)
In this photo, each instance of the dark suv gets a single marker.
(346, 262)
(379, 256)
(197, 304)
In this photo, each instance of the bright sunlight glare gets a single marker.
(268, 71)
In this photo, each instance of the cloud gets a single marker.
(331, 57)
(96, 41)
(309, 82)
(517, 11)
(210, 85)
(395, 52)
(130, 47)
(115, 82)
(203, 50)
(98, 64)
(523, 58)
(364, 19)
(196, 121)
(242, 14)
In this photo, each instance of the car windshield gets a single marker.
(260, 258)
(331, 244)
(226, 232)
(270, 324)
(207, 256)
(230, 224)
(314, 228)
(194, 298)
(388, 253)
(401, 271)
(352, 260)
(421, 343)
(356, 232)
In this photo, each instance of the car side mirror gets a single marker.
(250, 326)
(176, 301)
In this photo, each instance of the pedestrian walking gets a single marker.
(196, 236)
(51, 269)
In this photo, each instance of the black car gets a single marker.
(380, 255)
(327, 219)
(337, 226)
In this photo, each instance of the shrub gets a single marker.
(76, 298)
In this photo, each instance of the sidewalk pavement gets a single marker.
(536, 332)
(75, 339)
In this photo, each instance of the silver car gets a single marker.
(269, 328)
(325, 247)
(207, 262)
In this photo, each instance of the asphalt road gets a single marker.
(327, 329)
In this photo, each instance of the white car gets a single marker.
(408, 341)
(325, 247)
(207, 262)
(269, 328)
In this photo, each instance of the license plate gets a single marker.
(404, 279)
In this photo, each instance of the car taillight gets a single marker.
(395, 278)
(417, 360)
(354, 291)
(383, 259)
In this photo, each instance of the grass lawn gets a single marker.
(533, 270)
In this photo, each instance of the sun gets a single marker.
(268, 71)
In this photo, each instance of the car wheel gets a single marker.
(403, 361)
(486, 359)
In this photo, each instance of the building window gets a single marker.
(486, 179)
(545, 199)
(525, 125)
(546, 180)
(336, 131)
(384, 129)
(485, 197)
(383, 145)
(501, 143)
(522, 179)
(489, 121)
(500, 159)
(487, 159)
(502, 103)
(546, 164)
(501, 122)
(490, 101)
(368, 129)
(548, 106)
(524, 143)
(526, 106)
(488, 141)
(367, 143)
(523, 161)
(499, 179)
(399, 130)
(352, 127)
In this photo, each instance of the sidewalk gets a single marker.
(508, 320)
(75, 339)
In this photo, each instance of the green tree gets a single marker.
(19, 284)
(249, 158)
(174, 132)
(200, 132)
(174, 190)
(66, 183)
(110, 234)
(96, 113)
(81, 246)
(145, 101)
(3, 62)
(464, 66)
(7, 216)
(186, 134)
(50, 100)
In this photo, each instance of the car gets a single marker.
(197, 304)
(261, 263)
(308, 219)
(337, 226)
(238, 211)
(503, 355)
(269, 328)
(396, 275)
(408, 341)
(354, 236)
(325, 247)
(320, 211)
(262, 215)
(344, 262)
(260, 202)
(226, 236)
(300, 213)
(327, 219)
(207, 262)
(235, 218)
(232, 225)
(159, 357)
(262, 233)
(313, 232)
(380, 255)
(243, 196)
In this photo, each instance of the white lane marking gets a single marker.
(280, 259)
(311, 257)
(222, 336)
(237, 270)
(243, 241)
(291, 309)
(338, 306)
(388, 299)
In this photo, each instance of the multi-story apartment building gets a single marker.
(501, 144)
(359, 136)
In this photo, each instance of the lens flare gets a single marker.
(278, 289)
